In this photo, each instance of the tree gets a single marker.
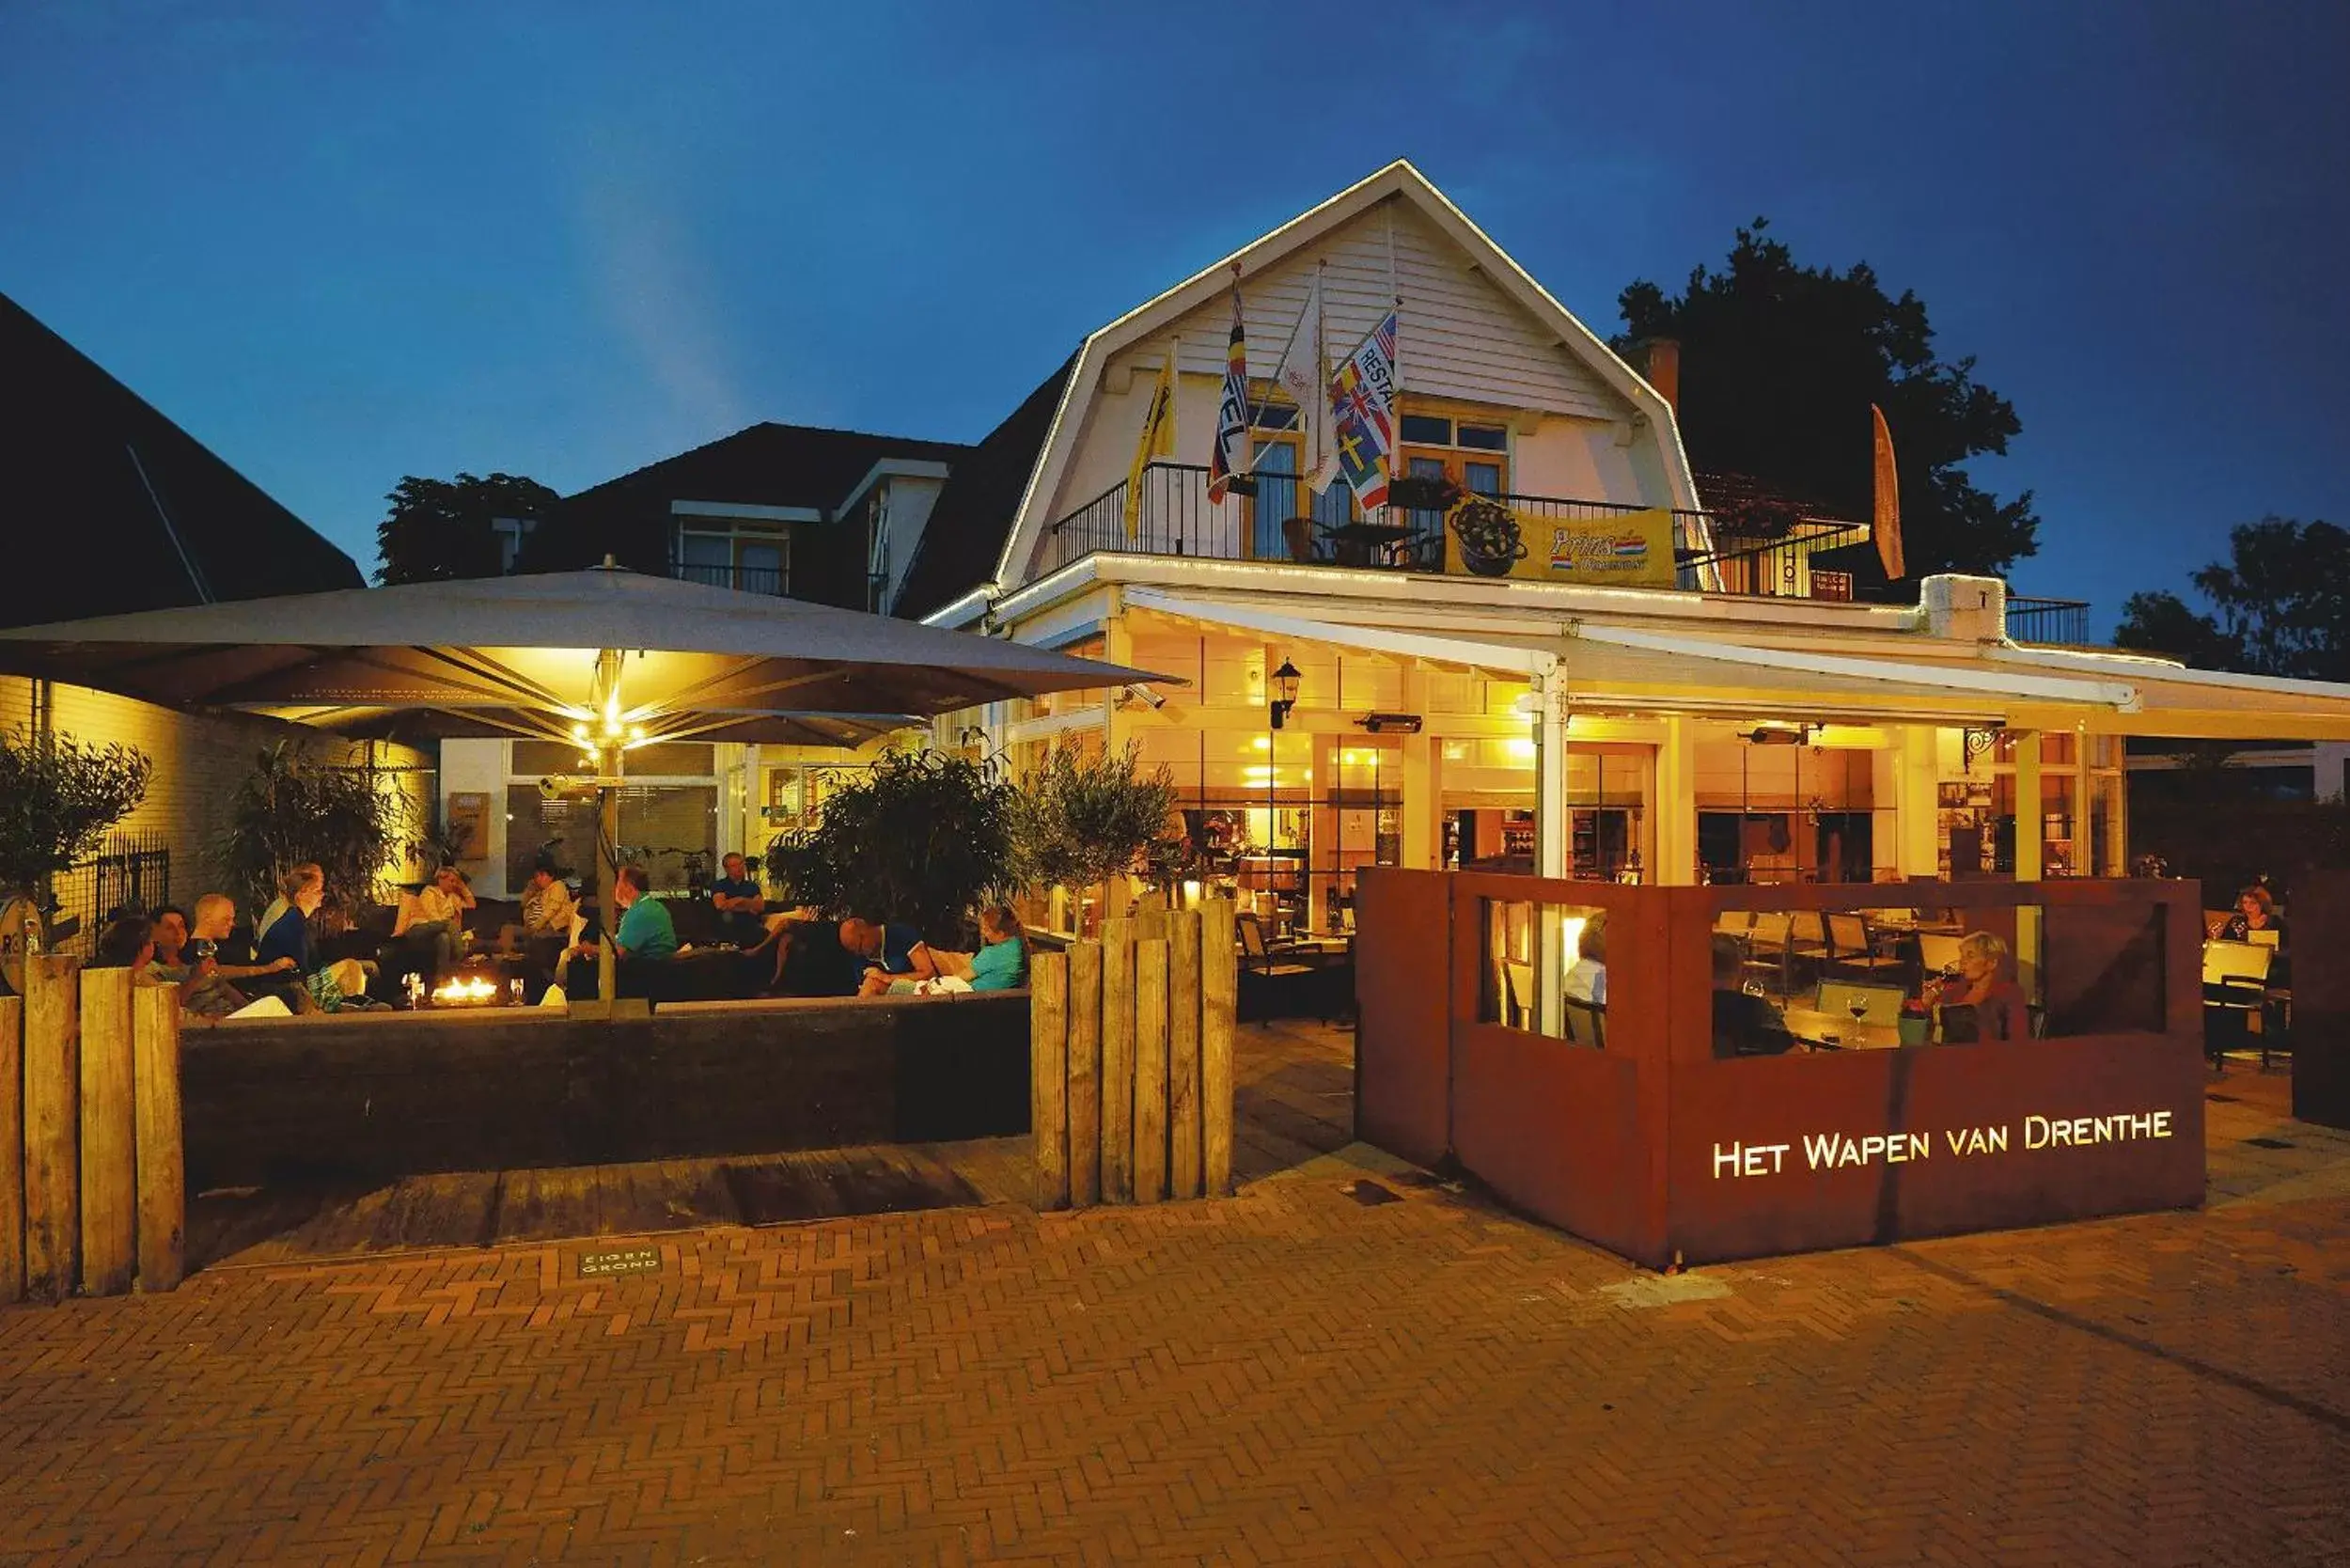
(1780, 363)
(440, 529)
(292, 809)
(58, 798)
(1086, 816)
(923, 837)
(2282, 600)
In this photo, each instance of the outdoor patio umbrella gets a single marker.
(606, 659)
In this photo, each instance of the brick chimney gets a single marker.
(1660, 366)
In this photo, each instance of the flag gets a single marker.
(1157, 439)
(1231, 411)
(1888, 486)
(1302, 375)
(1362, 414)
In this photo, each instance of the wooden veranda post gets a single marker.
(11, 1149)
(162, 1182)
(1183, 1165)
(1085, 1073)
(110, 1203)
(1048, 1075)
(1117, 1061)
(1151, 1070)
(53, 1085)
(1219, 1001)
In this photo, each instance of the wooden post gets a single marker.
(1151, 919)
(109, 1179)
(53, 1092)
(1048, 1075)
(163, 1166)
(1185, 1156)
(1151, 1070)
(11, 1149)
(1085, 1073)
(1117, 1061)
(1219, 997)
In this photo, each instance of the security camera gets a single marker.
(1144, 694)
(555, 787)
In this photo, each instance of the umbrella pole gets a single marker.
(608, 814)
(607, 963)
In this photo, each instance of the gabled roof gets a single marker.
(1399, 181)
(125, 510)
(767, 466)
(967, 530)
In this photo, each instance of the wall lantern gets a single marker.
(1284, 683)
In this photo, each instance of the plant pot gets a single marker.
(1421, 493)
(1913, 1029)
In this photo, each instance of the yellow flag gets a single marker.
(1157, 439)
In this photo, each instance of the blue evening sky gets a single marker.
(343, 243)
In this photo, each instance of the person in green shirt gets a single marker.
(1000, 964)
(645, 933)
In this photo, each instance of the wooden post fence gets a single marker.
(93, 1192)
(1131, 1061)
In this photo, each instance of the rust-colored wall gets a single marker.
(2321, 999)
(1621, 1146)
(1403, 969)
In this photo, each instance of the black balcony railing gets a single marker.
(743, 579)
(1177, 518)
(2057, 621)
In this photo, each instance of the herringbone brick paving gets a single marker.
(1287, 1376)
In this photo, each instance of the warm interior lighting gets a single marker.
(1519, 746)
(1570, 937)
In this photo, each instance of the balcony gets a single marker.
(742, 579)
(2051, 621)
(1710, 554)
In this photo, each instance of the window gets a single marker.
(1279, 462)
(750, 558)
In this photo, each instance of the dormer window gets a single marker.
(745, 555)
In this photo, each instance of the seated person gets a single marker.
(741, 904)
(330, 988)
(203, 992)
(1000, 964)
(887, 949)
(802, 956)
(2256, 911)
(1744, 1023)
(1979, 1002)
(129, 943)
(213, 936)
(547, 914)
(1587, 982)
(438, 917)
(647, 936)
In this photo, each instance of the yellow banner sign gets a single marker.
(1632, 549)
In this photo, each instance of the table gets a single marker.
(1358, 541)
(1838, 1032)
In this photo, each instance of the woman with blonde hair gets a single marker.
(286, 934)
(1994, 1005)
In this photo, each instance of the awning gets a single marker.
(1642, 670)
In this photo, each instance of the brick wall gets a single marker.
(200, 760)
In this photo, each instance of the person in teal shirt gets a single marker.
(1000, 964)
(646, 936)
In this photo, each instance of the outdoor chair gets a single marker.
(1855, 947)
(1297, 533)
(1937, 954)
(1587, 1023)
(1521, 994)
(1269, 978)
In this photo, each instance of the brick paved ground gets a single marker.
(1290, 1376)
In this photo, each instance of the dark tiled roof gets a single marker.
(967, 529)
(91, 471)
(767, 466)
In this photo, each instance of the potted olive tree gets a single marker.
(1087, 816)
(293, 808)
(58, 798)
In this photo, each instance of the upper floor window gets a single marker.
(749, 557)
(1436, 430)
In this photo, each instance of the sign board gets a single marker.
(626, 1260)
(1632, 549)
(469, 823)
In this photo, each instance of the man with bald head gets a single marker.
(210, 935)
